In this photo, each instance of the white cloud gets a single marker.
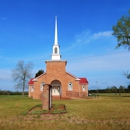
(87, 37)
(102, 34)
(112, 62)
(107, 68)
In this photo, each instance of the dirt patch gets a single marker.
(55, 109)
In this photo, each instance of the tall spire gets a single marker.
(56, 34)
(56, 49)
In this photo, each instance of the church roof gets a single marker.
(35, 79)
(73, 76)
(83, 81)
(31, 82)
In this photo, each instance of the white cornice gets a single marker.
(56, 61)
(76, 78)
(35, 80)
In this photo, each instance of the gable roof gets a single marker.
(83, 81)
(35, 79)
(31, 82)
(76, 78)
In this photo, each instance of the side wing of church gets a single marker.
(64, 85)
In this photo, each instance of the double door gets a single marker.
(55, 90)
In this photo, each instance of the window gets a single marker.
(83, 88)
(41, 86)
(55, 50)
(70, 86)
(32, 88)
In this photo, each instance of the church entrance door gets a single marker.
(56, 88)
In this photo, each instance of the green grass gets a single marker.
(108, 111)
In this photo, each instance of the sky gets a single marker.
(84, 35)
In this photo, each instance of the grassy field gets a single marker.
(107, 112)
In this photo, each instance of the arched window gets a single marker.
(32, 88)
(41, 86)
(55, 50)
(83, 88)
(70, 86)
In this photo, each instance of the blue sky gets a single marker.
(84, 35)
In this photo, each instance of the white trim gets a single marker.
(70, 86)
(41, 86)
(55, 61)
(83, 88)
(76, 78)
(35, 79)
(32, 88)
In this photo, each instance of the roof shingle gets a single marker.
(31, 82)
(83, 81)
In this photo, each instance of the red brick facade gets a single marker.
(64, 85)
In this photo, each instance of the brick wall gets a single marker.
(56, 70)
(46, 97)
(37, 92)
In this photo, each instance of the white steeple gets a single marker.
(56, 49)
(56, 35)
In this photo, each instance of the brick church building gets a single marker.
(64, 85)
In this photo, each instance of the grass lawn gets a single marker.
(107, 112)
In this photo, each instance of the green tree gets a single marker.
(122, 31)
(39, 73)
(21, 74)
(128, 87)
(121, 89)
(108, 90)
(114, 89)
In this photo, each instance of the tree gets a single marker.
(114, 89)
(21, 74)
(128, 87)
(122, 31)
(121, 89)
(127, 74)
(108, 90)
(39, 73)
